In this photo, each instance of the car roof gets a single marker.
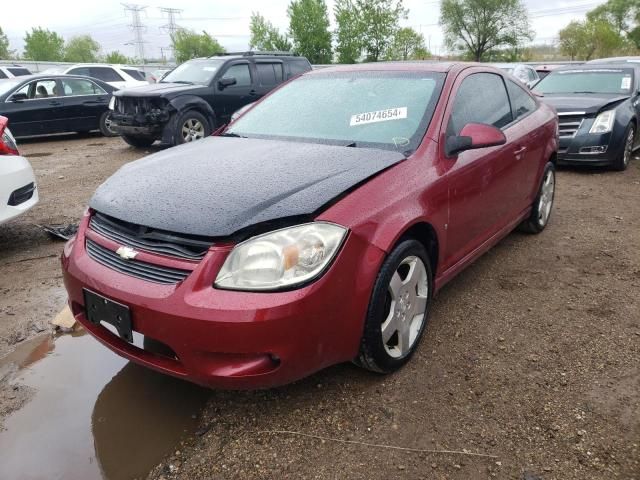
(598, 66)
(601, 61)
(505, 64)
(113, 65)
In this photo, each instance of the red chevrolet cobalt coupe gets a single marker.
(316, 228)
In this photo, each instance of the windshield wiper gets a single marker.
(231, 134)
(585, 91)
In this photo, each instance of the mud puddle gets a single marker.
(94, 415)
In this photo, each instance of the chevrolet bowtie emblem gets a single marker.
(126, 253)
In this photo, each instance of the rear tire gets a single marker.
(105, 125)
(191, 126)
(543, 204)
(622, 161)
(398, 310)
(138, 142)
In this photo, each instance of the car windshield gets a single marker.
(390, 110)
(8, 84)
(602, 80)
(195, 71)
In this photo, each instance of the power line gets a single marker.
(137, 27)
(171, 27)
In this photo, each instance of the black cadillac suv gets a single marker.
(198, 96)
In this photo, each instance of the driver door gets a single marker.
(41, 112)
(234, 97)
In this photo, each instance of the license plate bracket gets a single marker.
(101, 309)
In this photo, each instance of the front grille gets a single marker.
(142, 270)
(21, 195)
(189, 247)
(134, 106)
(569, 125)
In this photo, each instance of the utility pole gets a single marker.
(137, 27)
(171, 26)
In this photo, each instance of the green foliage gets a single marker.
(81, 49)
(380, 21)
(309, 30)
(117, 58)
(5, 53)
(188, 44)
(348, 31)
(623, 16)
(407, 44)
(590, 39)
(480, 26)
(266, 37)
(41, 44)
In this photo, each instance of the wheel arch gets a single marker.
(184, 103)
(424, 233)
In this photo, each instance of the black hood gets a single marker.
(168, 90)
(589, 103)
(217, 186)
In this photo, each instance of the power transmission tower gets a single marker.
(137, 27)
(171, 26)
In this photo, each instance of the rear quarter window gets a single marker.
(521, 102)
(297, 67)
(19, 72)
(135, 74)
(106, 74)
(2, 74)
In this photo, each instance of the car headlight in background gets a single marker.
(281, 259)
(112, 103)
(604, 122)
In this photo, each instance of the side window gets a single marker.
(2, 75)
(533, 76)
(240, 73)
(135, 74)
(269, 73)
(40, 89)
(299, 66)
(474, 104)
(78, 86)
(105, 74)
(19, 72)
(79, 71)
(521, 101)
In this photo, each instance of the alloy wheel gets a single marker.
(546, 197)
(628, 147)
(107, 123)
(192, 130)
(406, 305)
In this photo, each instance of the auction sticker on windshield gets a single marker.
(626, 83)
(378, 116)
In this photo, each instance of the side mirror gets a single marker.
(226, 82)
(473, 136)
(18, 97)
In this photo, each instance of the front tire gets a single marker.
(191, 126)
(543, 204)
(398, 309)
(138, 142)
(105, 125)
(622, 160)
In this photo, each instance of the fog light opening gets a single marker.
(594, 149)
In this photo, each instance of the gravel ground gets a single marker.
(531, 354)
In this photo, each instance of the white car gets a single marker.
(525, 73)
(119, 76)
(18, 190)
(11, 71)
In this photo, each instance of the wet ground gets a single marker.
(531, 357)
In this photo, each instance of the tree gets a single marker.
(380, 21)
(348, 31)
(478, 26)
(407, 44)
(573, 39)
(622, 15)
(81, 49)
(266, 37)
(309, 30)
(5, 53)
(41, 44)
(188, 44)
(117, 57)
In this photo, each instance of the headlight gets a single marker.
(603, 122)
(112, 103)
(281, 259)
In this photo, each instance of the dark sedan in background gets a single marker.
(46, 104)
(599, 107)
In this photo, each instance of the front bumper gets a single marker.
(228, 339)
(139, 124)
(572, 150)
(16, 175)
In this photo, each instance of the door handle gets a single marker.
(520, 150)
(55, 103)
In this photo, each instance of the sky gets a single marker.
(228, 21)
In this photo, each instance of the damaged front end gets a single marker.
(140, 115)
